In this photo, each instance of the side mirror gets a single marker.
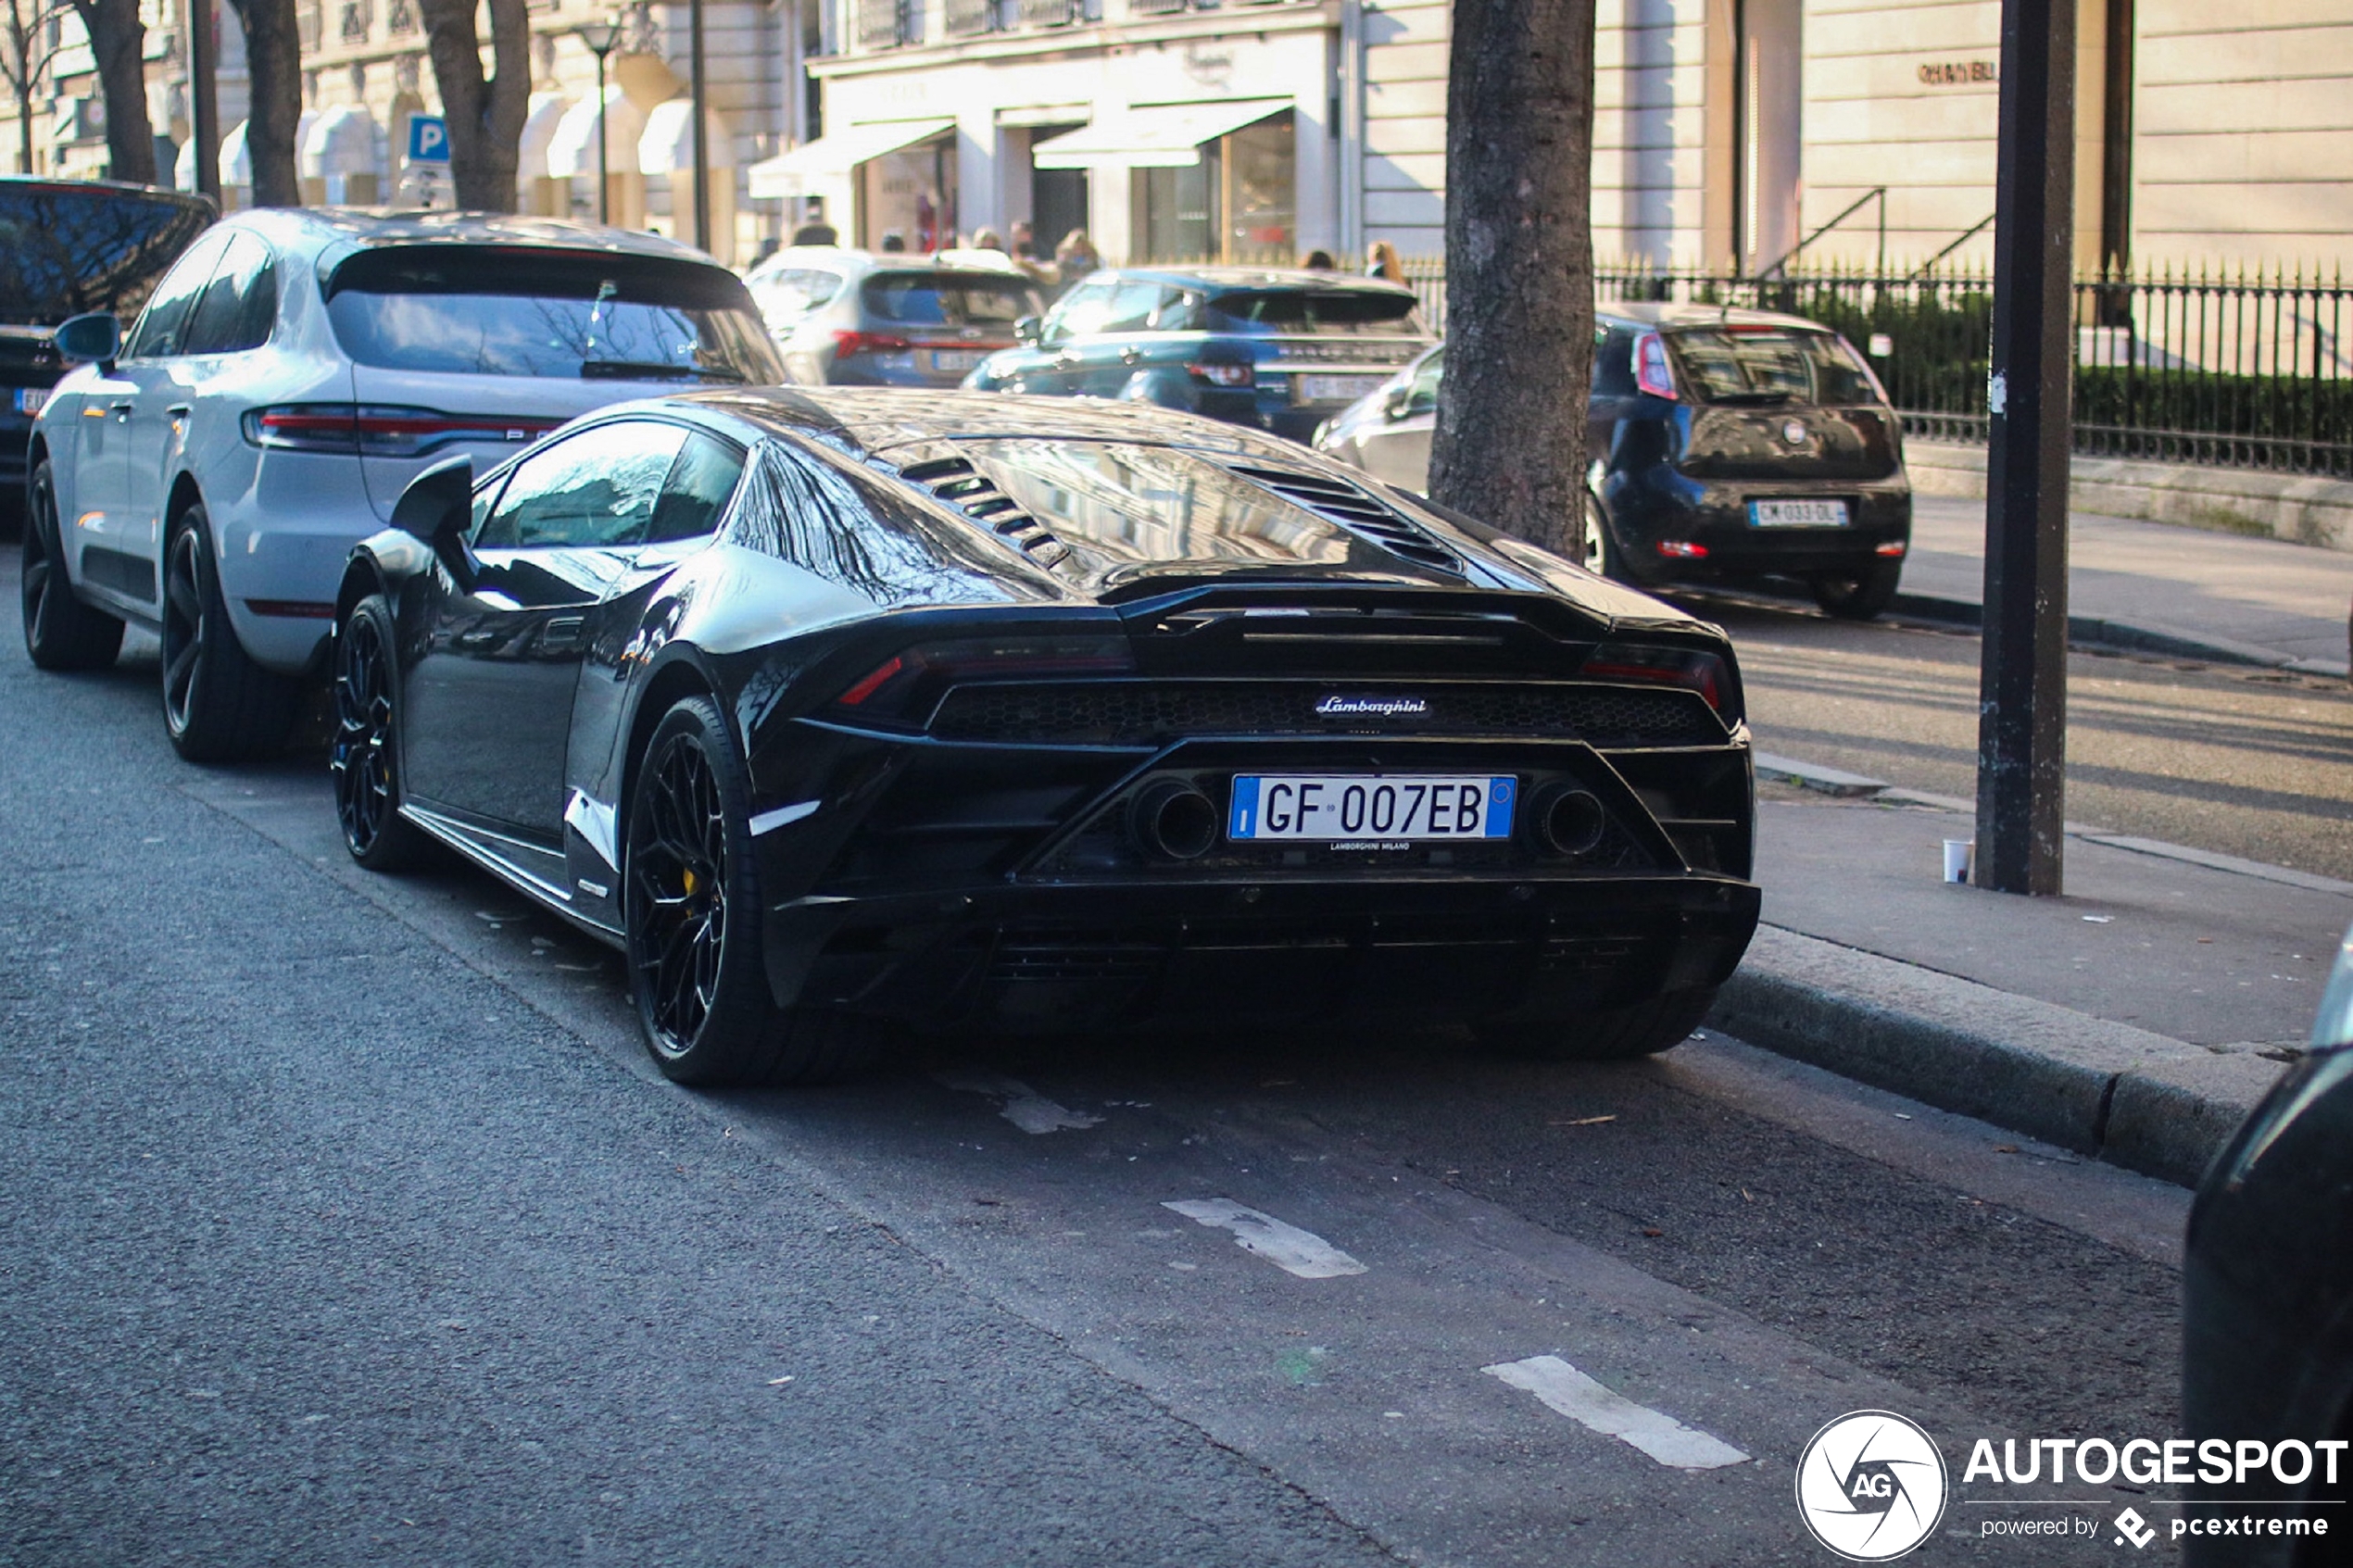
(437, 508)
(1398, 401)
(1030, 329)
(95, 339)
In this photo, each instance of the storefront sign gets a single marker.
(1959, 73)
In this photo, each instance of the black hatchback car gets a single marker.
(1730, 445)
(66, 247)
(1281, 351)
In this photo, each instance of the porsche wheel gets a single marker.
(61, 631)
(691, 910)
(218, 706)
(1610, 1035)
(364, 757)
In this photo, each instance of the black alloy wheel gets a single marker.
(690, 908)
(61, 631)
(218, 706)
(1861, 593)
(364, 756)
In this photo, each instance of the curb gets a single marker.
(2099, 632)
(2127, 1096)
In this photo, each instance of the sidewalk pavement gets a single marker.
(2156, 586)
(2137, 1019)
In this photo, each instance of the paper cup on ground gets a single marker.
(1957, 855)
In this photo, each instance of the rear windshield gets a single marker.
(510, 312)
(66, 250)
(1768, 365)
(1324, 312)
(950, 299)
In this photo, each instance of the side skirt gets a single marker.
(507, 859)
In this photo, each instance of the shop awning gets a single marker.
(341, 140)
(1163, 136)
(540, 121)
(829, 159)
(668, 145)
(573, 151)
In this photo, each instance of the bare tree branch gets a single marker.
(485, 115)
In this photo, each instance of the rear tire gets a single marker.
(364, 756)
(1862, 594)
(1601, 553)
(1609, 1034)
(61, 631)
(691, 909)
(218, 706)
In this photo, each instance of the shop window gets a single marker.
(1239, 204)
(911, 193)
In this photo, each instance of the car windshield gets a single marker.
(950, 299)
(67, 249)
(1770, 365)
(1323, 312)
(510, 312)
(1123, 503)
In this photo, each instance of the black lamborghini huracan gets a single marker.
(840, 709)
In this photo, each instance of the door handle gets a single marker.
(1129, 356)
(179, 410)
(121, 411)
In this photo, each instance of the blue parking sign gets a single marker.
(428, 139)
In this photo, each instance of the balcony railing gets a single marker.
(883, 24)
(1158, 8)
(967, 18)
(1052, 13)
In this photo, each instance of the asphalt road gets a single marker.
(2243, 762)
(347, 1223)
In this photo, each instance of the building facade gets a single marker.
(1729, 133)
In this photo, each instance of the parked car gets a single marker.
(66, 247)
(845, 318)
(1275, 350)
(1730, 445)
(2267, 1317)
(836, 707)
(290, 375)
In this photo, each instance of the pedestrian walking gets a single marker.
(1381, 261)
(1074, 257)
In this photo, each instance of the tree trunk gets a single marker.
(1510, 443)
(273, 119)
(121, 43)
(485, 116)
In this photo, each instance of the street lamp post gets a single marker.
(601, 38)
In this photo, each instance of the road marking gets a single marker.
(1020, 1104)
(1612, 1414)
(1288, 1247)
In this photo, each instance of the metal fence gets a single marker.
(2248, 370)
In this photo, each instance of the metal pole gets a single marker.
(203, 109)
(702, 152)
(604, 156)
(2021, 731)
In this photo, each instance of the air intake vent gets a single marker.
(956, 481)
(1341, 502)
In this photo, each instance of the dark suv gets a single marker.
(68, 246)
(1728, 444)
(1279, 350)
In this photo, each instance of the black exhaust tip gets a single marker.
(1173, 820)
(1572, 820)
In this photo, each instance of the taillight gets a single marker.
(1681, 549)
(1693, 672)
(372, 431)
(908, 684)
(1225, 375)
(1653, 372)
(848, 342)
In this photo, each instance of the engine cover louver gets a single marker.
(965, 488)
(1338, 501)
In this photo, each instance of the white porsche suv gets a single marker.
(207, 476)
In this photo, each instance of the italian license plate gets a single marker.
(1797, 514)
(957, 359)
(31, 398)
(1371, 811)
(1336, 389)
